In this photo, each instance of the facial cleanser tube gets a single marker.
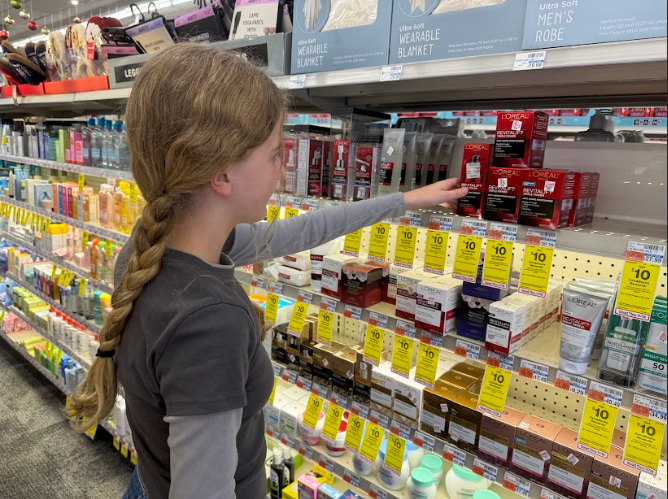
(583, 312)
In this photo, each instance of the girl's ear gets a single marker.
(221, 183)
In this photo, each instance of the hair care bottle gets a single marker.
(289, 465)
(276, 473)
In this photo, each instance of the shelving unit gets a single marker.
(67, 167)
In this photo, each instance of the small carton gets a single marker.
(475, 163)
(435, 414)
(502, 194)
(547, 198)
(521, 138)
(570, 468)
(612, 479)
(465, 422)
(361, 284)
(332, 271)
(533, 447)
(497, 436)
(407, 286)
(436, 304)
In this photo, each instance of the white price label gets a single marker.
(527, 61)
(405, 329)
(297, 82)
(657, 408)
(503, 232)
(258, 282)
(573, 384)
(276, 288)
(467, 349)
(425, 441)
(360, 410)
(351, 312)
(440, 222)
(277, 370)
(533, 370)
(380, 320)
(380, 419)
(319, 390)
(328, 304)
(400, 430)
(304, 383)
(454, 455)
(391, 73)
(517, 484)
(482, 468)
(612, 396)
(351, 478)
(497, 360)
(646, 253)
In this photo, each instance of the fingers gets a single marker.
(449, 206)
(448, 184)
(457, 193)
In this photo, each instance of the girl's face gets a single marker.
(254, 179)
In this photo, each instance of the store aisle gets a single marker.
(41, 456)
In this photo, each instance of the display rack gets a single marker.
(67, 167)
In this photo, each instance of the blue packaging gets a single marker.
(326, 491)
(455, 28)
(349, 494)
(342, 34)
(472, 321)
(580, 22)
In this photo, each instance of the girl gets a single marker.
(205, 133)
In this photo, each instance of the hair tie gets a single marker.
(105, 354)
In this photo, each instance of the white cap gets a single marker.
(278, 456)
(286, 454)
(573, 367)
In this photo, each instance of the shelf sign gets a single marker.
(598, 420)
(394, 457)
(499, 255)
(436, 252)
(517, 484)
(467, 349)
(332, 423)
(528, 61)
(271, 311)
(371, 444)
(402, 356)
(534, 371)
(494, 391)
(325, 327)
(646, 431)
(537, 264)
(373, 345)
(353, 243)
(427, 365)
(273, 213)
(312, 413)
(299, 314)
(378, 242)
(391, 73)
(404, 255)
(576, 385)
(469, 247)
(642, 267)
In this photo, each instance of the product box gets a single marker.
(330, 35)
(332, 271)
(366, 165)
(505, 326)
(502, 194)
(533, 446)
(309, 168)
(290, 417)
(383, 385)
(465, 422)
(435, 414)
(473, 317)
(361, 284)
(560, 24)
(385, 281)
(475, 163)
(593, 195)
(546, 198)
(581, 194)
(477, 290)
(326, 491)
(469, 370)
(343, 372)
(497, 436)
(279, 346)
(341, 173)
(407, 285)
(441, 29)
(392, 282)
(652, 487)
(570, 468)
(308, 487)
(437, 301)
(521, 139)
(408, 399)
(290, 155)
(323, 359)
(612, 479)
(458, 380)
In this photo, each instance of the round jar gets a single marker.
(462, 483)
(485, 494)
(309, 435)
(415, 453)
(386, 477)
(337, 448)
(421, 485)
(362, 467)
(434, 464)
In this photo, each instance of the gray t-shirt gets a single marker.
(197, 352)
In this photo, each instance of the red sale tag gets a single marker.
(526, 373)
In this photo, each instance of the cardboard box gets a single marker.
(465, 422)
(435, 414)
(332, 271)
(469, 370)
(385, 280)
(497, 436)
(502, 194)
(611, 479)
(356, 35)
(407, 285)
(343, 372)
(309, 168)
(443, 29)
(505, 327)
(593, 195)
(520, 139)
(570, 468)
(581, 194)
(361, 284)
(473, 320)
(547, 198)
(382, 385)
(458, 380)
(436, 304)
(652, 487)
(323, 359)
(533, 446)
(392, 283)
(560, 24)
(408, 398)
(476, 161)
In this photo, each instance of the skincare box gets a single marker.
(570, 468)
(290, 418)
(593, 195)
(436, 304)
(520, 139)
(533, 447)
(473, 317)
(332, 271)
(383, 385)
(309, 168)
(342, 171)
(581, 194)
(343, 372)
(476, 160)
(469, 370)
(407, 285)
(612, 479)
(323, 359)
(408, 399)
(652, 487)
(458, 380)
(546, 198)
(505, 327)
(497, 436)
(435, 414)
(392, 283)
(361, 284)
(465, 422)
(502, 193)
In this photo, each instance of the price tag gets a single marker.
(304, 383)
(116, 442)
(273, 213)
(378, 242)
(537, 264)
(68, 279)
(92, 431)
(402, 356)
(484, 469)
(598, 420)
(371, 444)
(291, 213)
(404, 255)
(534, 371)
(516, 484)
(133, 457)
(276, 288)
(328, 304)
(527, 61)
(373, 345)
(290, 376)
(296, 82)
(325, 327)
(340, 400)
(381, 420)
(405, 329)
(496, 360)
(376, 492)
(425, 441)
(646, 431)
(84, 240)
(54, 272)
(61, 277)
(332, 423)
(108, 247)
(273, 393)
(82, 181)
(427, 365)
(573, 384)
(352, 243)
(351, 478)
(469, 247)
(360, 410)
(435, 253)
(319, 390)
(271, 312)
(354, 313)
(293, 202)
(454, 455)
(310, 204)
(391, 73)
(394, 457)
(297, 320)
(133, 193)
(258, 282)
(124, 450)
(277, 370)
(499, 256)
(312, 413)
(354, 433)
(431, 339)
(635, 298)
(306, 451)
(376, 319)
(548, 494)
(494, 391)
(467, 349)
(400, 429)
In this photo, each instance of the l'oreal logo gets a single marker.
(581, 303)
(543, 174)
(500, 172)
(514, 116)
(476, 147)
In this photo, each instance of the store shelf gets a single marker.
(67, 167)
(67, 105)
(88, 227)
(61, 262)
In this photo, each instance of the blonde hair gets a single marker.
(193, 111)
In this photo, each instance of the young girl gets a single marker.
(205, 132)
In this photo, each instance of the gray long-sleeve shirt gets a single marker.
(187, 432)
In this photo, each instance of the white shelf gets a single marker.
(67, 167)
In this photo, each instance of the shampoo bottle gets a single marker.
(289, 467)
(276, 475)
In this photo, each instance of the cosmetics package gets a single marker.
(581, 195)
(343, 373)
(520, 139)
(361, 284)
(297, 261)
(533, 447)
(392, 161)
(365, 171)
(593, 195)
(204, 26)
(309, 167)
(437, 302)
(652, 487)
(473, 318)
(547, 198)
(289, 275)
(465, 422)
(611, 478)
(383, 385)
(475, 162)
(502, 193)
(393, 278)
(317, 255)
(332, 272)
(570, 468)
(409, 162)
(505, 326)
(290, 155)
(497, 436)
(423, 150)
(253, 18)
(435, 414)
(342, 171)
(407, 286)
(652, 370)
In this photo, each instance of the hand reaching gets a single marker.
(441, 193)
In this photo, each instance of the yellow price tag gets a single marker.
(82, 286)
(107, 248)
(133, 192)
(404, 255)
(372, 439)
(2, 316)
(271, 312)
(354, 434)
(124, 450)
(427, 365)
(353, 243)
(498, 260)
(637, 289)
(325, 327)
(467, 258)
(494, 390)
(24, 218)
(291, 213)
(67, 403)
(297, 320)
(378, 242)
(84, 241)
(332, 422)
(273, 213)
(133, 457)
(61, 277)
(68, 279)
(597, 427)
(373, 344)
(312, 413)
(536, 270)
(82, 182)
(643, 444)
(402, 356)
(435, 253)
(92, 431)
(273, 393)
(394, 456)
(116, 442)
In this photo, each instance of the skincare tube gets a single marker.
(392, 159)
(409, 163)
(424, 141)
(600, 286)
(583, 312)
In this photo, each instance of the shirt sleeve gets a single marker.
(203, 454)
(261, 241)
(203, 367)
